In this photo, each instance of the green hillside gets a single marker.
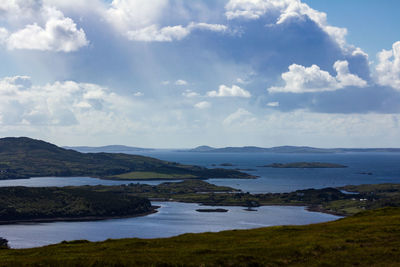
(370, 238)
(24, 157)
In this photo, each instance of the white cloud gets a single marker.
(78, 6)
(203, 105)
(18, 11)
(300, 79)
(181, 82)
(302, 127)
(154, 33)
(128, 15)
(190, 94)
(225, 91)
(287, 9)
(60, 34)
(138, 94)
(240, 116)
(3, 35)
(57, 104)
(388, 67)
(273, 104)
(344, 77)
(241, 81)
(165, 82)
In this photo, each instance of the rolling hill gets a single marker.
(24, 157)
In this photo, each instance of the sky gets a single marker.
(176, 73)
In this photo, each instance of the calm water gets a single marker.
(172, 219)
(179, 218)
(385, 168)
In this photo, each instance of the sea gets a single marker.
(179, 218)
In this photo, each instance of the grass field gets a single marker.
(371, 238)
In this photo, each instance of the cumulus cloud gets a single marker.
(181, 82)
(154, 33)
(300, 79)
(190, 94)
(344, 77)
(139, 20)
(203, 105)
(225, 91)
(59, 34)
(388, 67)
(286, 10)
(59, 103)
(273, 104)
(241, 81)
(126, 15)
(18, 11)
(138, 94)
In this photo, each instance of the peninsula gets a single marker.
(25, 157)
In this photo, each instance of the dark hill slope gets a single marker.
(24, 157)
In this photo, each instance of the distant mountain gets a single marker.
(108, 149)
(287, 149)
(25, 157)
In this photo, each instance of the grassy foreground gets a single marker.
(371, 238)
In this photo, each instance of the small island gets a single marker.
(212, 210)
(305, 165)
(227, 164)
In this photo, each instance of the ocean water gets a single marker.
(172, 219)
(384, 168)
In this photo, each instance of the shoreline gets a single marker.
(79, 219)
(132, 180)
(310, 208)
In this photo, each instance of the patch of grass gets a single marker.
(370, 238)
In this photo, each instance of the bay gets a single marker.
(172, 219)
(178, 218)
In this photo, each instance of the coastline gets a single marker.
(79, 219)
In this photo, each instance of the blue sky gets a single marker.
(174, 73)
(371, 24)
